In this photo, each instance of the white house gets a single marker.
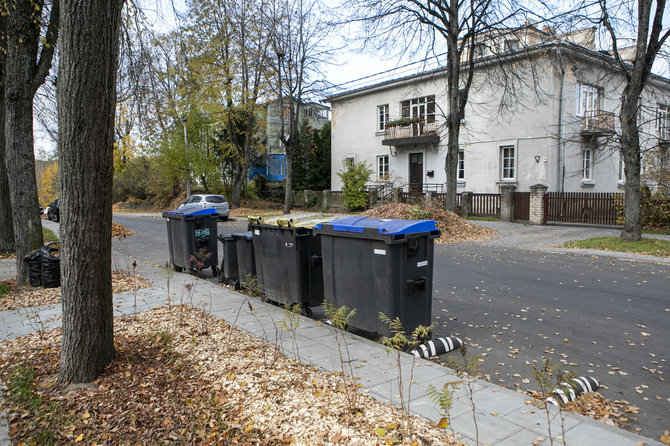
(542, 110)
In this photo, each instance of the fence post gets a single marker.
(326, 199)
(507, 202)
(429, 199)
(537, 215)
(396, 194)
(466, 203)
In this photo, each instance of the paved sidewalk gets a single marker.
(503, 416)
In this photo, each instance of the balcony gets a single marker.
(403, 132)
(597, 123)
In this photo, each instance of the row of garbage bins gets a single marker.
(371, 265)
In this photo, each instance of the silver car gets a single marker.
(203, 201)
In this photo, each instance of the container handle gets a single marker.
(413, 286)
(255, 220)
(284, 222)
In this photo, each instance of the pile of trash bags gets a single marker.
(44, 266)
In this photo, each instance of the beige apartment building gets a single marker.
(543, 109)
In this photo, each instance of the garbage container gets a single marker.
(246, 262)
(378, 266)
(192, 240)
(288, 260)
(229, 272)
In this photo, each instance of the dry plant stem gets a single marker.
(469, 384)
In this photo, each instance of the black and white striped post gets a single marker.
(570, 391)
(437, 347)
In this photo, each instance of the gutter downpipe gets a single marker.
(561, 157)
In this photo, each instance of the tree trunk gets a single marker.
(23, 41)
(86, 105)
(288, 182)
(237, 186)
(6, 225)
(630, 147)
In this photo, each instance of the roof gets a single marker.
(576, 50)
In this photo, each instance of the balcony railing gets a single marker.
(414, 133)
(597, 122)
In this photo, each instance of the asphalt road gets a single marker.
(598, 316)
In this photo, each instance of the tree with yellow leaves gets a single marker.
(49, 190)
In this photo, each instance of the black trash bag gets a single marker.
(51, 266)
(34, 261)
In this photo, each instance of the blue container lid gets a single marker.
(178, 213)
(358, 225)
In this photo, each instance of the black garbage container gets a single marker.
(288, 260)
(378, 266)
(192, 240)
(229, 272)
(246, 262)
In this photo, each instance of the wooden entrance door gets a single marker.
(416, 173)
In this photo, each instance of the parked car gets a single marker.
(202, 201)
(53, 211)
(41, 209)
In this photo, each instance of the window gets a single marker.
(479, 50)
(512, 45)
(287, 113)
(461, 165)
(422, 108)
(383, 167)
(663, 122)
(349, 162)
(587, 164)
(663, 157)
(196, 199)
(382, 116)
(588, 100)
(277, 166)
(507, 163)
(622, 172)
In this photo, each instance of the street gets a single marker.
(596, 316)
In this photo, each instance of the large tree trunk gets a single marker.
(23, 41)
(86, 104)
(630, 147)
(6, 225)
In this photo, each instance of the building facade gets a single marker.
(275, 163)
(542, 110)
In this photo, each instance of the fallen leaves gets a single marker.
(25, 297)
(454, 228)
(169, 381)
(119, 231)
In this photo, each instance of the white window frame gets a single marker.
(383, 170)
(512, 45)
(422, 107)
(382, 117)
(587, 165)
(589, 98)
(461, 165)
(663, 121)
(348, 162)
(507, 170)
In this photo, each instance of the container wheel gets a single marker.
(307, 312)
(177, 268)
(215, 271)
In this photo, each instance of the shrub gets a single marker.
(654, 209)
(354, 195)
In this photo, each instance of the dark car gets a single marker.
(53, 211)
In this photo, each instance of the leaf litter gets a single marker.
(26, 296)
(181, 376)
(454, 228)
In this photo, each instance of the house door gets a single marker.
(416, 173)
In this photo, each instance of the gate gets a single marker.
(522, 206)
(594, 208)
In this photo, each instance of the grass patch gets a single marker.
(48, 235)
(652, 247)
(4, 289)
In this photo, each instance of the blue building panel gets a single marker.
(274, 168)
